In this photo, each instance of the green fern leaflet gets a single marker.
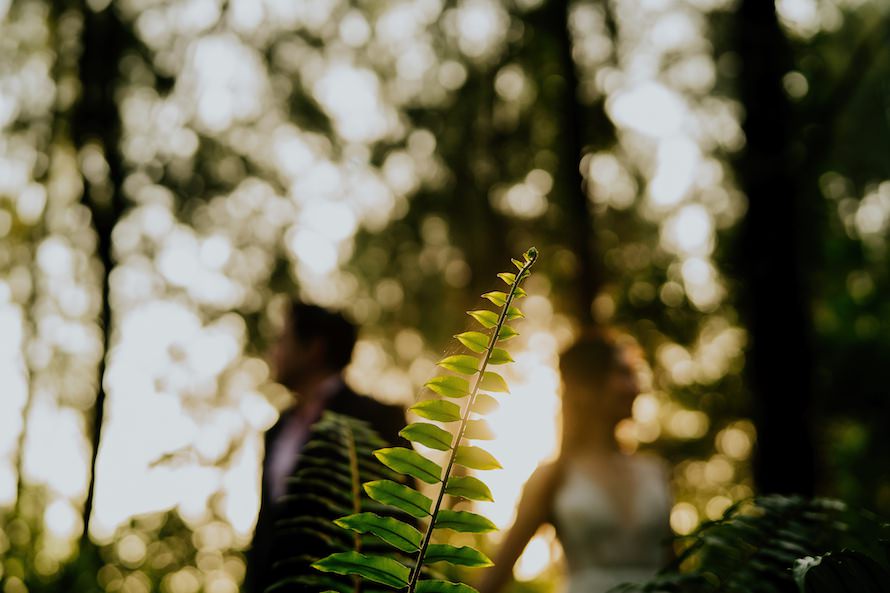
(460, 396)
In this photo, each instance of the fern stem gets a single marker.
(415, 572)
(355, 479)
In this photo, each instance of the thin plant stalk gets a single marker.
(415, 572)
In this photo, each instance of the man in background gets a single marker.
(308, 359)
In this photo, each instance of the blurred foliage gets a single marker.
(757, 543)
(156, 553)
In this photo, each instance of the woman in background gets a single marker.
(610, 509)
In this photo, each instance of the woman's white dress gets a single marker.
(603, 548)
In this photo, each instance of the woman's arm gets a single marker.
(534, 509)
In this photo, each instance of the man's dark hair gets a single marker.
(593, 355)
(311, 322)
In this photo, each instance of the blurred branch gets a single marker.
(475, 174)
(26, 411)
(871, 46)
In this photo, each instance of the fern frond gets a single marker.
(472, 385)
(327, 485)
(759, 542)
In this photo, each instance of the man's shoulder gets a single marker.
(386, 419)
(356, 404)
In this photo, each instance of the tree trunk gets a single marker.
(96, 122)
(774, 299)
(579, 214)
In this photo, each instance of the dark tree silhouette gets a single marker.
(96, 121)
(775, 298)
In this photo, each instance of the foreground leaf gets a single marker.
(478, 430)
(462, 556)
(475, 341)
(412, 463)
(507, 277)
(500, 298)
(484, 404)
(476, 458)
(438, 410)
(492, 381)
(499, 356)
(506, 333)
(497, 297)
(464, 521)
(428, 435)
(460, 363)
(468, 487)
(436, 586)
(392, 531)
(514, 313)
(379, 569)
(488, 319)
(449, 386)
(399, 496)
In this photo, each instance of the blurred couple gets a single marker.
(610, 509)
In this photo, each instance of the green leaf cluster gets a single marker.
(453, 416)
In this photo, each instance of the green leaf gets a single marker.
(519, 265)
(488, 319)
(507, 277)
(438, 410)
(491, 381)
(478, 430)
(507, 332)
(476, 458)
(399, 496)
(531, 255)
(464, 521)
(436, 586)
(499, 356)
(427, 434)
(412, 463)
(463, 556)
(483, 404)
(846, 570)
(468, 487)
(449, 386)
(514, 313)
(379, 569)
(497, 297)
(475, 341)
(460, 363)
(392, 531)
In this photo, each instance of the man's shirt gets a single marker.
(285, 449)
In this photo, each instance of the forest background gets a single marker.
(712, 175)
